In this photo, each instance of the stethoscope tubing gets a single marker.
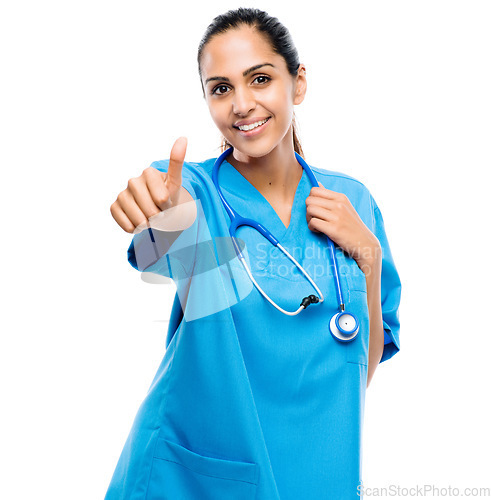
(344, 333)
(330, 243)
(237, 220)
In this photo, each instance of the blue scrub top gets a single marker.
(249, 403)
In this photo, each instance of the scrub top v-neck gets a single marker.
(249, 403)
(250, 203)
(241, 185)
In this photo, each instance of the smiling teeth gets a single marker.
(252, 125)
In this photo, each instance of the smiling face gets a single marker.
(247, 84)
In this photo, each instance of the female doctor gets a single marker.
(257, 397)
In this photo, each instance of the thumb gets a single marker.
(173, 180)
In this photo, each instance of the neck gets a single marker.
(275, 175)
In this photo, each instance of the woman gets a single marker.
(250, 402)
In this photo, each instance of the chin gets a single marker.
(253, 149)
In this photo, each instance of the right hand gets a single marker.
(152, 192)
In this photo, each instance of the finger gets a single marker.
(321, 213)
(174, 177)
(325, 203)
(314, 225)
(155, 182)
(325, 193)
(138, 187)
(121, 218)
(321, 226)
(130, 208)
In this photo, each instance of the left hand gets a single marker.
(333, 214)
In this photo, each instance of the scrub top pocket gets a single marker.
(356, 303)
(178, 472)
(355, 276)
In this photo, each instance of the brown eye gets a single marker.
(267, 78)
(214, 91)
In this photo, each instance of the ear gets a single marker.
(300, 85)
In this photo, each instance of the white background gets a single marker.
(92, 92)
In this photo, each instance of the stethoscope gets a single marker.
(343, 325)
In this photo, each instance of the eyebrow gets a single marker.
(245, 73)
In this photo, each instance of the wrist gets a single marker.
(371, 260)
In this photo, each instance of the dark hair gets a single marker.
(277, 35)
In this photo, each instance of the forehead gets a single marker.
(232, 52)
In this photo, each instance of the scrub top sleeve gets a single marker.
(390, 289)
(168, 253)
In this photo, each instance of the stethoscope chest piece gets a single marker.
(344, 326)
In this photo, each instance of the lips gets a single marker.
(251, 121)
(254, 132)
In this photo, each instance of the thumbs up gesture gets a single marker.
(153, 192)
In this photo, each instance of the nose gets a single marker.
(243, 102)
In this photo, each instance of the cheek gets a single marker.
(279, 102)
(221, 117)
(218, 115)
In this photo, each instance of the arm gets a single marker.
(333, 214)
(383, 297)
(373, 271)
